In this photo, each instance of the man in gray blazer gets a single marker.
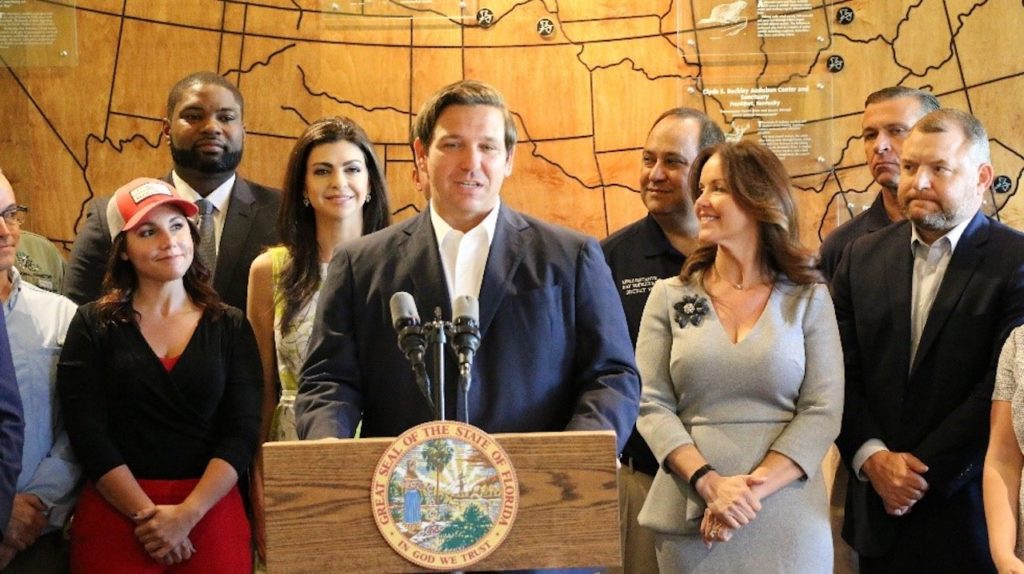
(555, 351)
(206, 136)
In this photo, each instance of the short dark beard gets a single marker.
(191, 159)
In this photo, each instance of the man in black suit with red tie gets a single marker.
(923, 308)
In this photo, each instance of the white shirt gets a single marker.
(220, 198)
(464, 255)
(930, 264)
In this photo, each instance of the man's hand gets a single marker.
(898, 478)
(28, 519)
(7, 553)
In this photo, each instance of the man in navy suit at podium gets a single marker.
(555, 351)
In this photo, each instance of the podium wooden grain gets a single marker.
(319, 517)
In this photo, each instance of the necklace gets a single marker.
(737, 286)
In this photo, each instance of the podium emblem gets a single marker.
(444, 495)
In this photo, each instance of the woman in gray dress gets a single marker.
(1004, 461)
(742, 381)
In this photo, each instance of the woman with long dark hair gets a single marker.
(742, 381)
(334, 192)
(159, 383)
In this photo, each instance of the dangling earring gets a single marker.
(369, 196)
(305, 201)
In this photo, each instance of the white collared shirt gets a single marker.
(464, 255)
(930, 264)
(220, 198)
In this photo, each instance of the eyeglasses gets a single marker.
(14, 215)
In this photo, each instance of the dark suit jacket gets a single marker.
(250, 227)
(938, 408)
(832, 248)
(12, 427)
(554, 354)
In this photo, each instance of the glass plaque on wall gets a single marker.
(788, 115)
(36, 33)
(382, 14)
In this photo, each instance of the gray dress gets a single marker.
(779, 389)
(1009, 377)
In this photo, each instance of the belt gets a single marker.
(639, 465)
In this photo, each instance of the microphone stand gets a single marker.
(436, 339)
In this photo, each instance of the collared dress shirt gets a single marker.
(930, 263)
(464, 255)
(37, 322)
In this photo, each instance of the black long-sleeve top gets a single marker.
(121, 406)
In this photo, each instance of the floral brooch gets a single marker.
(691, 310)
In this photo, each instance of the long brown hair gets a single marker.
(760, 185)
(296, 222)
(121, 281)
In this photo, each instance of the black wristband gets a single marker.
(699, 474)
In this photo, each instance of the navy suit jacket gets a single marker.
(250, 227)
(12, 428)
(938, 407)
(555, 351)
(832, 248)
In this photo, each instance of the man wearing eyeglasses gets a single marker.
(36, 322)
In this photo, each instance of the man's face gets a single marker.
(206, 132)
(465, 163)
(884, 127)
(670, 150)
(9, 234)
(941, 184)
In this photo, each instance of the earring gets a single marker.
(305, 201)
(369, 196)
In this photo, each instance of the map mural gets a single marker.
(584, 79)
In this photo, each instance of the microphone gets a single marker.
(412, 342)
(466, 331)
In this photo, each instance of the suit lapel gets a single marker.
(507, 251)
(899, 269)
(426, 274)
(233, 236)
(966, 258)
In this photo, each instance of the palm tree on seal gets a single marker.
(437, 454)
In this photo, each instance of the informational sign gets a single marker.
(760, 26)
(381, 14)
(34, 33)
(786, 115)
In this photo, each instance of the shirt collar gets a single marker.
(953, 235)
(218, 197)
(441, 227)
(15, 290)
(656, 240)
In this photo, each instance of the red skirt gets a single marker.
(103, 540)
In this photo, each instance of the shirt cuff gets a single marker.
(870, 447)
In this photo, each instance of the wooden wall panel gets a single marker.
(584, 97)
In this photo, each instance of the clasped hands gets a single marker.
(28, 519)
(732, 503)
(898, 478)
(163, 531)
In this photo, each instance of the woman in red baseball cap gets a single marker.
(160, 386)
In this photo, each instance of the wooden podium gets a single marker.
(319, 517)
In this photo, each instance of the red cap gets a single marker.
(133, 201)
